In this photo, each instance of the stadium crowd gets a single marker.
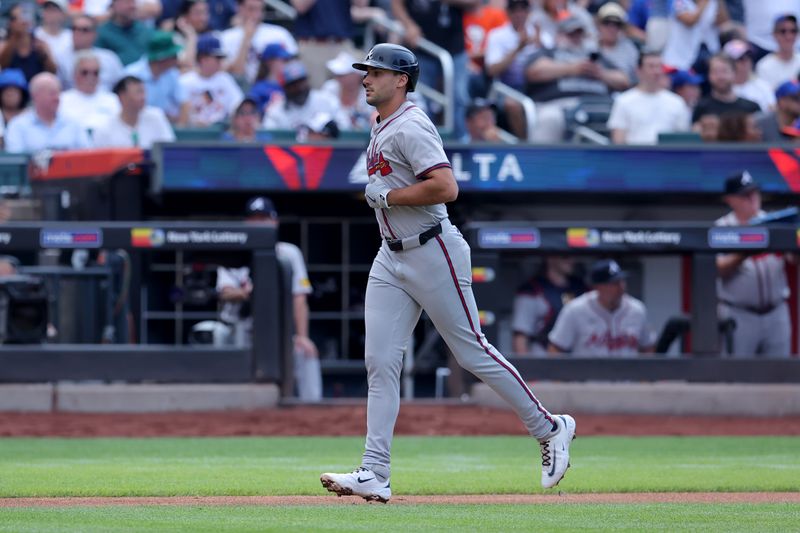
(82, 73)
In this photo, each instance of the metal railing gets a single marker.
(528, 107)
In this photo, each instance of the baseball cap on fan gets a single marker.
(606, 271)
(342, 64)
(261, 206)
(741, 183)
(736, 49)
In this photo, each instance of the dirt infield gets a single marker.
(415, 419)
(480, 499)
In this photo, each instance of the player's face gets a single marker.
(381, 85)
(745, 206)
(612, 292)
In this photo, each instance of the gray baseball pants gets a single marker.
(437, 278)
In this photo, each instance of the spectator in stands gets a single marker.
(235, 287)
(639, 114)
(123, 34)
(605, 322)
(441, 22)
(13, 97)
(693, 33)
(346, 87)
(192, 21)
(52, 29)
(86, 102)
(656, 22)
(558, 77)
(615, 47)
(548, 15)
(146, 11)
(300, 103)
(509, 48)
(708, 128)
(320, 127)
(686, 84)
(268, 79)
(482, 122)
(42, 127)
(84, 33)
(746, 84)
(735, 126)
(539, 300)
(638, 12)
(784, 63)
(137, 124)
(780, 125)
(759, 21)
(752, 288)
(244, 124)
(722, 98)
(159, 72)
(478, 22)
(323, 28)
(21, 50)
(244, 42)
(211, 92)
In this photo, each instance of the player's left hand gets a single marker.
(377, 194)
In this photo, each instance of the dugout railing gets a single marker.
(266, 359)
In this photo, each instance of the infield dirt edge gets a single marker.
(464, 499)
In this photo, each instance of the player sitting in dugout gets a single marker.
(605, 322)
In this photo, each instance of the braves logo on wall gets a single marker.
(378, 164)
(300, 167)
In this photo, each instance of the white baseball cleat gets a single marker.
(555, 451)
(360, 482)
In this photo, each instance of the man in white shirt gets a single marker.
(212, 93)
(41, 127)
(84, 33)
(51, 30)
(639, 114)
(87, 103)
(783, 64)
(300, 103)
(244, 42)
(137, 124)
(508, 50)
(745, 82)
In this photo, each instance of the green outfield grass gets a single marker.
(779, 518)
(422, 465)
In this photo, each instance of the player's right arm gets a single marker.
(728, 264)
(438, 187)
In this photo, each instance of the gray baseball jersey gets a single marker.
(586, 328)
(755, 297)
(435, 277)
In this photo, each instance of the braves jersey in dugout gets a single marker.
(403, 148)
(586, 328)
(760, 280)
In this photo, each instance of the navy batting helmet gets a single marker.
(392, 57)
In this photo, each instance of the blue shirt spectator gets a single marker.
(41, 127)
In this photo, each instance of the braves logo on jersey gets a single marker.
(377, 163)
(613, 342)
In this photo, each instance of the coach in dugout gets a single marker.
(752, 289)
(605, 322)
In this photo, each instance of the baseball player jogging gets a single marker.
(423, 264)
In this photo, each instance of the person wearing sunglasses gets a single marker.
(82, 38)
(783, 64)
(613, 44)
(86, 102)
(21, 49)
